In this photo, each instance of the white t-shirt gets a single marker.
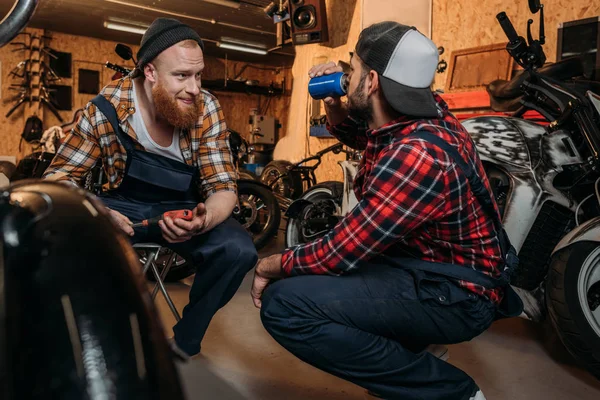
(139, 127)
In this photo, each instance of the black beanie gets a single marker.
(162, 34)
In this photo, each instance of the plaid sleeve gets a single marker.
(215, 158)
(404, 190)
(352, 132)
(78, 153)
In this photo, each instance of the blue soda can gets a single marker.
(333, 85)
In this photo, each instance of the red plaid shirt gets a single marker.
(413, 200)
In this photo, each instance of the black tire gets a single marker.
(329, 194)
(289, 186)
(259, 212)
(580, 336)
(180, 269)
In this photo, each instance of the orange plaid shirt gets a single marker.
(205, 145)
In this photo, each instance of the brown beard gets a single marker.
(358, 104)
(167, 107)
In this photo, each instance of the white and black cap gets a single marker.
(406, 62)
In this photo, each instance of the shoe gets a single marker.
(438, 350)
(177, 351)
(478, 396)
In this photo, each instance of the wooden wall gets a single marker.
(91, 53)
(460, 24)
(344, 28)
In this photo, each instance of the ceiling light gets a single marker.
(240, 42)
(241, 48)
(124, 28)
(226, 3)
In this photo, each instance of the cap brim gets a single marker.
(409, 101)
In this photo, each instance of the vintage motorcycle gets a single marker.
(545, 179)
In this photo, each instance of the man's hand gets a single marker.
(327, 69)
(267, 269)
(336, 110)
(179, 230)
(121, 222)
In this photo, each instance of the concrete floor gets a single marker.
(515, 359)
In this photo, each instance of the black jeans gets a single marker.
(222, 257)
(371, 326)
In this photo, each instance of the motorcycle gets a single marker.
(545, 179)
(290, 181)
(322, 206)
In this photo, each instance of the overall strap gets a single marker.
(110, 113)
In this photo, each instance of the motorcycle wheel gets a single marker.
(573, 301)
(290, 186)
(248, 175)
(258, 212)
(326, 199)
(180, 269)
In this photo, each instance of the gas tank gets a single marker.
(508, 141)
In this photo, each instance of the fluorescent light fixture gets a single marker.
(227, 39)
(125, 28)
(241, 48)
(226, 3)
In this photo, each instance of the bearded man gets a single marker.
(164, 145)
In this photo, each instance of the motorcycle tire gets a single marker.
(330, 194)
(248, 175)
(572, 295)
(290, 186)
(258, 213)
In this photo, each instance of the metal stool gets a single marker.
(152, 252)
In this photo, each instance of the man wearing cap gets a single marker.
(164, 146)
(398, 272)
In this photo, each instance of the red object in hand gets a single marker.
(182, 214)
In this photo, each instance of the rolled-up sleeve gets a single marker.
(78, 153)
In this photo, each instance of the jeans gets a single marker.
(222, 257)
(371, 326)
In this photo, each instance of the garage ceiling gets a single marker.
(242, 20)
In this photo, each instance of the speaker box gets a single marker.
(309, 21)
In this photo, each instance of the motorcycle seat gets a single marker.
(562, 70)
(499, 104)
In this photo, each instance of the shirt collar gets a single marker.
(404, 120)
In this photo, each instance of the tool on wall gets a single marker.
(442, 65)
(36, 76)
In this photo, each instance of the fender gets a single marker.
(16, 20)
(296, 208)
(589, 231)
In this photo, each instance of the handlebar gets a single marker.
(117, 68)
(507, 27)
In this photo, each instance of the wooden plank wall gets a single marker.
(460, 24)
(91, 53)
(344, 26)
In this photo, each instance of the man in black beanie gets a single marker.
(164, 146)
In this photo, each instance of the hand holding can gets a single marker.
(331, 85)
